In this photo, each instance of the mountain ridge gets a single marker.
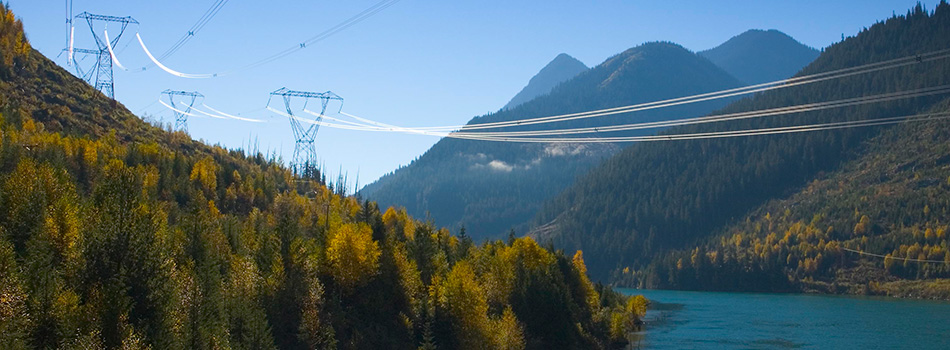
(490, 188)
(759, 56)
(678, 193)
(562, 68)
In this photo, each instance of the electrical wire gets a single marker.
(779, 84)
(943, 89)
(233, 116)
(215, 116)
(383, 127)
(677, 137)
(177, 110)
(895, 257)
(347, 127)
(734, 133)
(774, 85)
(369, 125)
(195, 28)
(146, 107)
(670, 137)
(112, 53)
(359, 17)
(349, 22)
(166, 69)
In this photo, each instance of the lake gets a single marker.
(704, 320)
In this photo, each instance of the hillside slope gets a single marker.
(116, 234)
(491, 187)
(655, 197)
(561, 69)
(892, 201)
(759, 56)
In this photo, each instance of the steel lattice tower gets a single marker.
(305, 151)
(181, 115)
(102, 70)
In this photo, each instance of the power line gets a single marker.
(734, 133)
(349, 22)
(233, 116)
(896, 257)
(490, 136)
(692, 136)
(774, 85)
(195, 28)
(726, 117)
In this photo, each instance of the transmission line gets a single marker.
(774, 85)
(895, 257)
(524, 135)
(359, 17)
(734, 133)
(726, 117)
(195, 28)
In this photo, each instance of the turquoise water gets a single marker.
(707, 320)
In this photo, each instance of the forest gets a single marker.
(891, 201)
(683, 196)
(115, 233)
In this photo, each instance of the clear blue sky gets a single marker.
(418, 63)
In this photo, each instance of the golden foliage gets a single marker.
(530, 254)
(353, 255)
(508, 333)
(593, 299)
(204, 173)
(464, 301)
(637, 305)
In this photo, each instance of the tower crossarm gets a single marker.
(94, 17)
(304, 151)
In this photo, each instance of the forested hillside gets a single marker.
(117, 234)
(759, 56)
(656, 197)
(893, 200)
(491, 187)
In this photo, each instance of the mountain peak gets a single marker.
(653, 63)
(563, 57)
(758, 56)
(560, 69)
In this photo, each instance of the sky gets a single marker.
(416, 63)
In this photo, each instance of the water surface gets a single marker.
(708, 320)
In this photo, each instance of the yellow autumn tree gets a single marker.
(593, 299)
(530, 254)
(353, 255)
(508, 332)
(205, 173)
(637, 305)
(463, 300)
(862, 227)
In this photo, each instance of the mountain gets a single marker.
(890, 201)
(491, 187)
(117, 234)
(655, 198)
(759, 56)
(559, 70)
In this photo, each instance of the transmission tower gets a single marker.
(101, 71)
(305, 152)
(182, 112)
